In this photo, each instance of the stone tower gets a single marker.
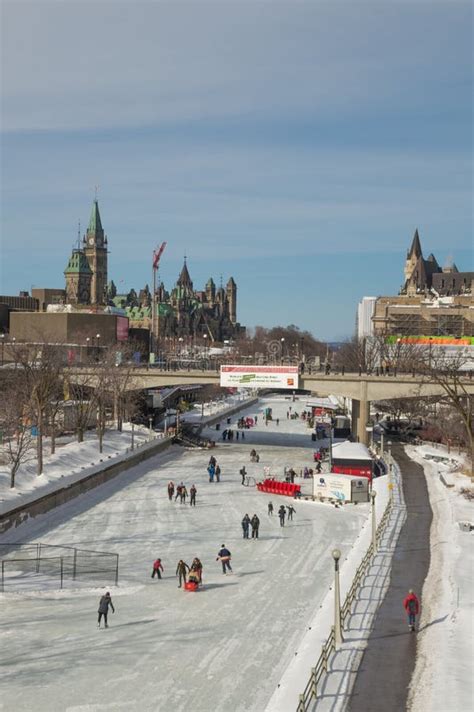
(95, 250)
(231, 293)
(413, 255)
(78, 279)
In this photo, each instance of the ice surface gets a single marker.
(223, 648)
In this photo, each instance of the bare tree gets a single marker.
(15, 424)
(40, 367)
(451, 374)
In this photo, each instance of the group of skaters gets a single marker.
(229, 434)
(213, 470)
(180, 492)
(252, 524)
(282, 512)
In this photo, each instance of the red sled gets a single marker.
(190, 586)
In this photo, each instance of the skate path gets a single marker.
(223, 648)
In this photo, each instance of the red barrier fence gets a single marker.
(275, 487)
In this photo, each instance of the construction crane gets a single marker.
(156, 261)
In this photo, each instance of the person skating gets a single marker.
(181, 569)
(282, 514)
(245, 526)
(224, 556)
(104, 604)
(255, 522)
(278, 421)
(291, 511)
(270, 509)
(157, 568)
(211, 471)
(243, 474)
(192, 493)
(183, 495)
(412, 607)
(170, 490)
(178, 491)
(218, 473)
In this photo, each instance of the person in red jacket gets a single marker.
(157, 568)
(412, 607)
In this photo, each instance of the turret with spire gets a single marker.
(95, 251)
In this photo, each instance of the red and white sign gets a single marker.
(260, 377)
(122, 328)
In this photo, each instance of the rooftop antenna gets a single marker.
(96, 190)
(79, 234)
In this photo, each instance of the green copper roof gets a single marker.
(78, 264)
(95, 224)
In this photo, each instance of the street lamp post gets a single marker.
(282, 340)
(338, 639)
(133, 435)
(2, 337)
(373, 494)
(150, 423)
(390, 483)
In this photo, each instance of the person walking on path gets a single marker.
(270, 509)
(184, 494)
(291, 511)
(255, 522)
(170, 490)
(412, 607)
(192, 493)
(181, 569)
(157, 568)
(282, 514)
(245, 526)
(104, 604)
(224, 556)
(243, 474)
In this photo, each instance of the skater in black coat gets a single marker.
(255, 522)
(192, 493)
(246, 526)
(282, 515)
(104, 604)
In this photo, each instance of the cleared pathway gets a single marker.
(389, 659)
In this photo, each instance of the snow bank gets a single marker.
(442, 679)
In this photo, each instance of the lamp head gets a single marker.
(336, 554)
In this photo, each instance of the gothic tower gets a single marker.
(231, 292)
(95, 250)
(413, 255)
(78, 279)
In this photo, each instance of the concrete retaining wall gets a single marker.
(223, 415)
(43, 504)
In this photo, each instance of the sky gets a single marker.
(293, 145)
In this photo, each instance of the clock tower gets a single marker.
(95, 251)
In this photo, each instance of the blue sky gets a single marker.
(294, 145)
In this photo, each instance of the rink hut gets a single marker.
(352, 459)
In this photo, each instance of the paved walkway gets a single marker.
(389, 659)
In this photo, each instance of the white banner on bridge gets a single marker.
(259, 377)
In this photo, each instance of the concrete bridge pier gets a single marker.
(360, 416)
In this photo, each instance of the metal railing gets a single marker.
(67, 562)
(311, 690)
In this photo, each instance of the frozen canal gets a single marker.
(223, 648)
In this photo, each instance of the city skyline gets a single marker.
(297, 150)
